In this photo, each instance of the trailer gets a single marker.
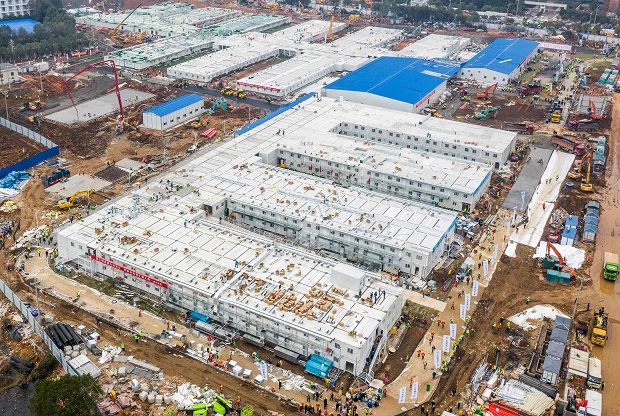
(521, 128)
(568, 145)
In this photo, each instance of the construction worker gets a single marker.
(79, 294)
(527, 300)
(123, 347)
(238, 401)
(221, 389)
(135, 337)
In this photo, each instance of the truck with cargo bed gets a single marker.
(583, 125)
(568, 145)
(610, 268)
(529, 90)
(521, 128)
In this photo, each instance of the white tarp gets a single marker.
(574, 257)
(511, 249)
(529, 318)
(559, 165)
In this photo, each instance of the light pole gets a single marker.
(595, 14)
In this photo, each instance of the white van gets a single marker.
(594, 373)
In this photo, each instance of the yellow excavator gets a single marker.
(586, 186)
(330, 35)
(68, 203)
(576, 172)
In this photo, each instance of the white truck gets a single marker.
(595, 378)
(594, 406)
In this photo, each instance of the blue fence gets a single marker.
(51, 151)
(31, 161)
(274, 114)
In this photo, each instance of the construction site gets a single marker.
(270, 213)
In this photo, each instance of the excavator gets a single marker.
(221, 103)
(593, 114)
(330, 36)
(485, 113)
(576, 172)
(68, 203)
(485, 94)
(550, 262)
(586, 186)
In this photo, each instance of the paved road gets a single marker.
(269, 107)
(528, 180)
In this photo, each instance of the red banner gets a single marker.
(130, 272)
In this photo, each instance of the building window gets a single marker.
(350, 350)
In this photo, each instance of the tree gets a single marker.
(66, 396)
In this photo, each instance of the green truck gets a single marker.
(610, 270)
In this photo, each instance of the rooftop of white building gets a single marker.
(436, 46)
(268, 280)
(405, 163)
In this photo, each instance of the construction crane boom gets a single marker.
(113, 31)
(86, 68)
(330, 37)
(593, 114)
(556, 252)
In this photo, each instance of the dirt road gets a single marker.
(603, 293)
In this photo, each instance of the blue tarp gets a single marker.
(197, 316)
(571, 221)
(13, 179)
(319, 366)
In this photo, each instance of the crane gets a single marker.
(68, 203)
(593, 114)
(576, 172)
(113, 31)
(118, 92)
(329, 36)
(485, 94)
(586, 186)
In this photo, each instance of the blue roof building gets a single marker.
(502, 61)
(406, 84)
(15, 25)
(173, 112)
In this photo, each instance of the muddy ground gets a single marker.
(514, 280)
(16, 147)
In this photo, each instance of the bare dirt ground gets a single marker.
(520, 112)
(513, 281)
(16, 147)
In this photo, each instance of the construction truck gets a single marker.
(56, 176)
(568, 145)
(556, 117)
(610, 269)
(586, 186)
(521, 128)
(68, 203)
(529, 90)
(239, 93)
(583, 125)
(599, 328)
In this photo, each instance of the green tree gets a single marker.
(67, 396)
